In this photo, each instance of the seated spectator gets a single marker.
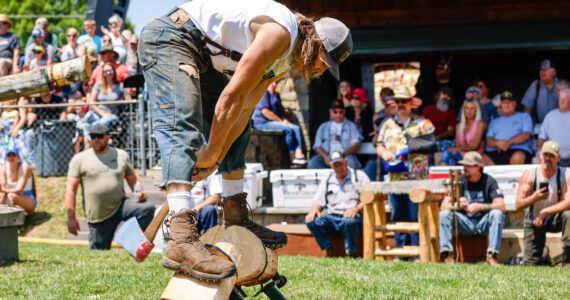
(9, 48)
(540, 97)
(337, 134)
(488, 107)
(562, 84)
(90, 39)
(387, 110)
(480, 211)
(556, 127)
(39, 38)
(119, 37)
(543, 192)
(400, 166)
(468, 134)
(12, 120)
(50, 37)
(108, 55)
(38, 115)
(72, 49)
(360, 112)
(268, 114)
(205, 197)
(85, 118)
(40, 58)
(16, 182)
(342, 208)
(108, 89)
(101, 172)
(442, 115)
(343, 88)
(508, 136)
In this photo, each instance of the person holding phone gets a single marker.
(480, 211)
(543, 192)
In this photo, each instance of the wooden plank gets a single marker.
(406, 251)
(403, 227)
(367, 196)
(380, 219)
(368, 231)
(433, 211)
(183, 287)
(424, 231)
(421, 195)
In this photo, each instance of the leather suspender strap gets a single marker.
(535, 107)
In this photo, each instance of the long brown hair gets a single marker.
(104, 80)
(307, 45)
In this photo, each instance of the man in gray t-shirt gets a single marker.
(101, 171)
(343, 207)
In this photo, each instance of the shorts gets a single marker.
(183, 106)
(504, 158)
(31, 195)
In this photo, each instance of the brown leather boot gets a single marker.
(236, 213)
(185, 252)
(492, 259)
(448, 257)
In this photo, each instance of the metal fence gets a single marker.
(49, 143)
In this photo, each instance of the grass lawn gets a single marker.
(56, 272)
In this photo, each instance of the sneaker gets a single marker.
(300, 161)
(492, 259)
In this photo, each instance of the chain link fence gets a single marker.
(53, 133)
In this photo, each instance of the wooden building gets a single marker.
(501, 41)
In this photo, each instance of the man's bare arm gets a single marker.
(524, 196)
(561, 205)
(266, 47)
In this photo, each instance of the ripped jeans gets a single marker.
(183, 105)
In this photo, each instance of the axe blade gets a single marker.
(131, 237)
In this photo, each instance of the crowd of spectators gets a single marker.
(113, 57)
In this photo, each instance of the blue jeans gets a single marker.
(107, 121)
(404, 210)
(491, 223)
(318, 162)
(330, 224)
(101, 234)
(182, 105)
(449, 158)
(207, 218)
(292, 132)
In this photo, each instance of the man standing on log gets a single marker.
(186, 57)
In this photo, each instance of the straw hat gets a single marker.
(4, 18)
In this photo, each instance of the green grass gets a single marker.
(55, 272)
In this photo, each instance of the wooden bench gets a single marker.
(10, 218)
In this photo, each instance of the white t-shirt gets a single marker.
(226, 22)
(205, 188)
(336, 132)
(555, 127)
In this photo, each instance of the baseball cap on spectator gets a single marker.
(37, 33)
(359, 94)
(4, 19)
(336, 156)
(507, 95)
(41, 22)
(12, 149)
(38, 48)
(107, 48)
(337, 104)
(550, 147)
(472, 158)
(99, 129)
(547, 64)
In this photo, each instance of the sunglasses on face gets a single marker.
(338, 111)
(2, 23)
(474, 92)
(108, 72)
(401, 101)
(37, 52)
(106, 41)
(71, 35)
(97, 136)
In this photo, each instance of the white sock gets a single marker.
(179, 201)
(232, 187)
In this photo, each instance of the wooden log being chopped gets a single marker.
(45, 79)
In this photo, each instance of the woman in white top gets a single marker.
(72, 49)
(16, 182)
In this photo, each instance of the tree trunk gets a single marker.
(44, 79)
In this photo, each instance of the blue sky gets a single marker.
(140, 11)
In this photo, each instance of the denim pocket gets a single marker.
(148, 46)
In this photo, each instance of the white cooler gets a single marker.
(296, 188)
(253, 186)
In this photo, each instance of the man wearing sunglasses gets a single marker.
(9, 48)
(338, 134)
(101, 171)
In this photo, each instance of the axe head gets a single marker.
(130, 236)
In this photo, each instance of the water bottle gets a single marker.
(137, 189)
